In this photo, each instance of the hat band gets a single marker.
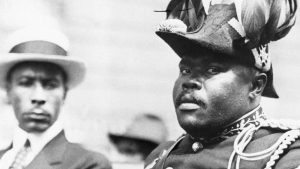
(39, 47)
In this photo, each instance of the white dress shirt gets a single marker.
(37, 143)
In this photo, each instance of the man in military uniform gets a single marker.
(225, 69)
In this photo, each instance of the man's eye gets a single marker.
(185, 71)
(213, 70)
(51, 84)
(25, 83)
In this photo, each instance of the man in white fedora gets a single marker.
(37, 74)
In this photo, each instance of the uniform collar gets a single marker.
(256, 116)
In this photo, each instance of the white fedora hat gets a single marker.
(41, 44)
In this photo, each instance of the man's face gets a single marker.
(36, 92)
(210, 93)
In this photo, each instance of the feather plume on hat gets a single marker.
(265, 20)
(262, 20)
(191, 12)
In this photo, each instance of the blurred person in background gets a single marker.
(131, 147)
(224, 71)
(37, 74)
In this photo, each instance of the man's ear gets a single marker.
(7, 99)
(258, 84)
(66, 89)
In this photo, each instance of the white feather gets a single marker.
(238, 8)
(235, 24)
(206, 5)
(282, 16)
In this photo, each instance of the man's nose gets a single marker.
(38, 96)
(192, 84)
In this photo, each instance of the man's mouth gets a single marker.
(188, 103)
(37, 116)
(188, 106)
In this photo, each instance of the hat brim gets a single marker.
(74, 68)
(184, 45)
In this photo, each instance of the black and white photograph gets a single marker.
(160, 84)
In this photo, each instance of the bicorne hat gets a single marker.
(41, 44)
(241, 29)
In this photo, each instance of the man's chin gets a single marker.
(197, 128)
(37, 128)
(191, 119)
(192, 124)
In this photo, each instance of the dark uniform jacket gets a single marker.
(263, 144)
(59, 153)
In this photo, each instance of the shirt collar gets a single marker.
(37, 140)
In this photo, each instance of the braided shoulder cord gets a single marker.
(244, 138)
(241, 142)
(291, 137)
(281, 124)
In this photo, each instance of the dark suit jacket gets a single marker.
(59, 153)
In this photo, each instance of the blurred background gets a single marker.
(130, 70)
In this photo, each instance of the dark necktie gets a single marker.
(18, 162)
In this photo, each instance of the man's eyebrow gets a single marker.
(25, 76)
(50, 79)
(182, 62)
(38, 77)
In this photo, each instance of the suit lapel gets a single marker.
(2, 152)
(52, 154)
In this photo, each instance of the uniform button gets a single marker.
(196, 146)
(169, 168)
